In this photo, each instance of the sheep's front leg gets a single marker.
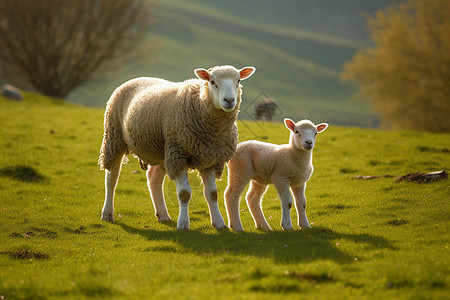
(155, 180)
(210, 193)
(286, 205)
(111, 178)
(184, 193)
(300, 205)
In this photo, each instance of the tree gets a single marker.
(57, 45)
(406, 77)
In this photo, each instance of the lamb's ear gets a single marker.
(321, 127)
(246, 72)
(202, 74)
(289, 124)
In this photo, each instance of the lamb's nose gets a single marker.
(308, 142)
(229, 100)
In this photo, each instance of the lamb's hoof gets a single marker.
(264, 228)
(305, 226)
(164, 219)
(237, 228)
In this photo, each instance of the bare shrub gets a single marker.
(55, 46)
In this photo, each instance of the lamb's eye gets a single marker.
(297, 132)
(212, 82)
(315, 134)
(239, 81)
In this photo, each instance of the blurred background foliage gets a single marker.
(311, 57)
(406, 76)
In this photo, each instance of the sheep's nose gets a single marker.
(308, 142)
(229, 100)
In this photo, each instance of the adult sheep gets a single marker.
(172, 127)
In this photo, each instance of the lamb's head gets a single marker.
(224, 85)
(303, 134)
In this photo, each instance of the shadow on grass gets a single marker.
(282, 246)
(22, 173)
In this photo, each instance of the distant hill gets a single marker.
(298, 48)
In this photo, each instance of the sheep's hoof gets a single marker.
(287, 226)
(183, 224)
(183, 227)
(108, 218)
(220, 226)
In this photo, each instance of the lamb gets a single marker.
(172, 127)
(286, 166)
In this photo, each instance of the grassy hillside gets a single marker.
(298, 48)
(371, 239)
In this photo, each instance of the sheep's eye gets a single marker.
(214, 84)
(297, 132)
(239, 81)
(315, 134)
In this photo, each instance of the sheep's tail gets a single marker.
(113, 145)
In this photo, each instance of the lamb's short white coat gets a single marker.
(287, 166)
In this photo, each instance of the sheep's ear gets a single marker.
(246, 72)
(289, 124)
(202, 74)
(321, 127)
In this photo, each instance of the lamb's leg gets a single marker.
(184, 193)
(253, 197)
(233, 193)
(210, 193)
(155, 180)
(300, 205)
(286, 204)
(111, 178)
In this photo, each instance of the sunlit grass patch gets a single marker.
(370, 239)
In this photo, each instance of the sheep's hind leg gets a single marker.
(155, 180)
(253, 197)
(300, 205)
(111, 178)
(184, 193)
(286, 204)
(210, 193)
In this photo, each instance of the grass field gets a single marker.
(371, 239)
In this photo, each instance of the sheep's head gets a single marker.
(224, 85)
(303, 134)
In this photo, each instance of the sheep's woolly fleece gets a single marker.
(169, 124)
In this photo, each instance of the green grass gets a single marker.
(371, 239)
